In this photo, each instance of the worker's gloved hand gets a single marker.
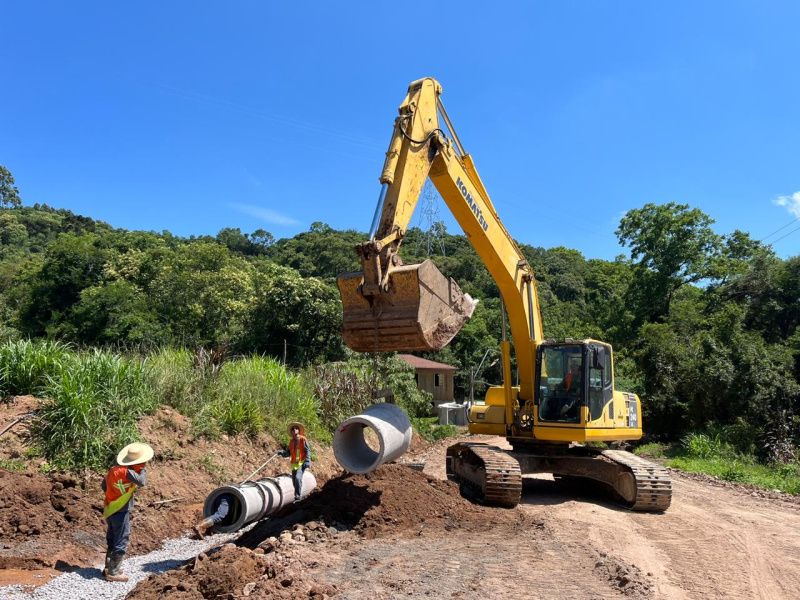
(283, 453)
(306, 463)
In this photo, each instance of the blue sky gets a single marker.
(195, 116)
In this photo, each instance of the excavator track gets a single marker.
(652, 481)
(490, 473)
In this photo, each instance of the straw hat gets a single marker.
(298, 425)
(134, 454)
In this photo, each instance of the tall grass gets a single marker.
(26, 366)
(257, 394)
(94, 399)
(91, 410)
(176, 381)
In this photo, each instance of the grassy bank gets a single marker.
(93, 399)
(711, 454)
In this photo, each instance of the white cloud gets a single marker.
(791, 203)
(267, 215)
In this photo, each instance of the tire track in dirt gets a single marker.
(467, 565)
(713, 542)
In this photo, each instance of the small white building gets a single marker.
(433, 377)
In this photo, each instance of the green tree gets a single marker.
(672, 245)
(319, 252)
(202, 293)
(71, 264)
(9, 194)
(304, 313)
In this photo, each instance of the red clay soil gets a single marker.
(392, 501)
(233, 572)
(397, 499)
(54, 520)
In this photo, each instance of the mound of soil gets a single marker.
(232, 572)
(393, 500)
(276, 559)
(44, 520)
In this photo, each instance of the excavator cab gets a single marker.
(573, 375)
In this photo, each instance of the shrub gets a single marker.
(342, 391)
(707, 445)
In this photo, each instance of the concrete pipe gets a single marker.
(392, 428)
(255, 500)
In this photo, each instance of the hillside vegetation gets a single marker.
(704, 326)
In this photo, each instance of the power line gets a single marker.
(772, 243)
(779, 229)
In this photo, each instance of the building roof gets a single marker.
(424, 363)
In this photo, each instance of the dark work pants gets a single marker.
(119, 530)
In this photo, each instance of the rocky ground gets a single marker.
(401, 532)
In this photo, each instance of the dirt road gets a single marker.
(713, 542)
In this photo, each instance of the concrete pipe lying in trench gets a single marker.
(255, 500)
(392, 428)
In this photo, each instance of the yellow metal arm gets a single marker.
(420, 149)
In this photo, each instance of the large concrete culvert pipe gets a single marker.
(392, 428)
(255, 500)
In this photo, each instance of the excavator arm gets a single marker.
(390, 306)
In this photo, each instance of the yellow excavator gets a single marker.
(564, 397)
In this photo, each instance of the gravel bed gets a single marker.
(88, 583)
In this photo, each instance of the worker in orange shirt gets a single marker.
(299, 454)
(119, 485)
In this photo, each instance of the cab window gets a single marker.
(561, 384)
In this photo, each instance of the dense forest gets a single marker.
(704, 326)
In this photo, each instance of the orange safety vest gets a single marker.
(297, 452)
(568, 381)
(118, 490)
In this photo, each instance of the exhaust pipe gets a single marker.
(254, 500)
(392, 428)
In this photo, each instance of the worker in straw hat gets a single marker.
(119, 485)
(299, 454)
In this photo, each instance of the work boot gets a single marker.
(202, 527)
(113, 572)
(108, 563)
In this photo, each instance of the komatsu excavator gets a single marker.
(564, 397)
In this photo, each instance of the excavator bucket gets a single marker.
(423, 310)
